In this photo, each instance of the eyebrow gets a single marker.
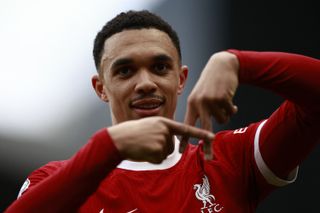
(162, 57)
(126, 61)
(121, 62)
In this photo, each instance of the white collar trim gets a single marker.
(169, 162)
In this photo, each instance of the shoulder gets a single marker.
(237, 137)
(49, 168)
(40, 174)
(233, 139)
(242, 131)
(236, 147)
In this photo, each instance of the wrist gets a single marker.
(228, 59)
(115, 135)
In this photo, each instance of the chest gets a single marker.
(179, 190)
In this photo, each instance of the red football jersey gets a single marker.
(248, 162)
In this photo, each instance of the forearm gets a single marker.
(71, 185)
(294, 77)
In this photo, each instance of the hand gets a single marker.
(151, 139)
(212, 95)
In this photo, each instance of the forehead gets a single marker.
(142, 43)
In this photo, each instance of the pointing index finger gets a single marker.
(189, 131)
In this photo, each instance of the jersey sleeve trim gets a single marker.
(24, 187)
(269, 176)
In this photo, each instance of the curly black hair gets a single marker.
(131, 20)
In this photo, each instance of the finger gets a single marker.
(191, 116)
(235, 109)
(225, 117)
(158, 153)
(229, 107)
(190, 119)
(188, 131)
(170, 144)
(207, 149)
(206, 123)
(183, 143)
(205, 120)
(155, 158)
(219, 114)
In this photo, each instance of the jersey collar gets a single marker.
(169, 162)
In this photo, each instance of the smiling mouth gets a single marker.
(147, 103)
(148, 106)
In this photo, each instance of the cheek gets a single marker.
(172, 91)
(174, 86)
(118, 104)
(116, 94)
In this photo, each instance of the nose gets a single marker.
(145, 82)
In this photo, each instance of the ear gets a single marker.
(97, 84)
(183, 75)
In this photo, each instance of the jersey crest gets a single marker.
(202, 193)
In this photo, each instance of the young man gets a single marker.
(135, 165)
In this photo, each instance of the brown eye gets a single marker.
(160, 68)
(125, 72)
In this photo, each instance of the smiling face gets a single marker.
(140, 75)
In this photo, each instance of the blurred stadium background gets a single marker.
(48, 109)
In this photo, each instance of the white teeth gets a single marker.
(147, 106)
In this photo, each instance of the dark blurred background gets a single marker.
(204, 27)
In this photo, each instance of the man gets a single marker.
(135, 165)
